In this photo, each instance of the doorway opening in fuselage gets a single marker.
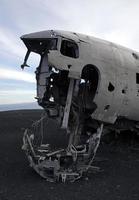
(88, 87)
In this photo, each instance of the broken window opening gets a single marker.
(111, 87)
(69, 49)
(34, 59)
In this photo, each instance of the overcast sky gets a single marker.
(113, 20)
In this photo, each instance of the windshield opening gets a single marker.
(41, 46)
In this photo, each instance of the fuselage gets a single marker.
(116, 70)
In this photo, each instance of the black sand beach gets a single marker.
(118, 180)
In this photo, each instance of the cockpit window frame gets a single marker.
(31, 47)
(67, 54)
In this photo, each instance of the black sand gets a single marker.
(119, 179)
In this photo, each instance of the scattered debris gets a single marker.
(63, 165)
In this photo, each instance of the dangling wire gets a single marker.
(96, 140)
(40, 122)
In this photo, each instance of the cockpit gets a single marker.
(66, 47)
(52, 83)
(66, 97)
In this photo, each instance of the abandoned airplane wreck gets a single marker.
(90, 86)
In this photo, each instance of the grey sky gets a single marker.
(113, 20)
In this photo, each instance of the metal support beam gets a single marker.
(68, 105)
